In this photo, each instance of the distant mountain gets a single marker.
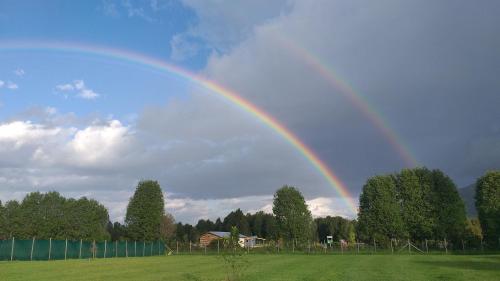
(467, 193)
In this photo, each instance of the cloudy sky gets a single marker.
(369, 86)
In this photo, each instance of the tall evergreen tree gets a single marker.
(238, 219)
(293, 217)
(145, 211)
(488, 206)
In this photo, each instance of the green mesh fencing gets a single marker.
(33, 249)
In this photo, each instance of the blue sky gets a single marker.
(88, 125)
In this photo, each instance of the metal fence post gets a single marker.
(32, 247)
(105, 247)
(12, 249)
(66, 249)
(50, 247)
(177, 245)
(116, 248)
(426, 248)
(445, 246)
(135, 248)
(218, 247)
(80, 252)
(126, 248)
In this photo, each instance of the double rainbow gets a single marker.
(225, 93)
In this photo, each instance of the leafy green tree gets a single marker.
(488, 206)
(293, 217)
(449, 208)
(145, 211)
(338, 227)
(415, 209)
(167, 227)
(379, 212)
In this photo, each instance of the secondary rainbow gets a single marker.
(231, 96)
(315, 63)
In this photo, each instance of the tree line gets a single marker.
(421, 204)
(414, 204)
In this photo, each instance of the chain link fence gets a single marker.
(14, 249)
(394, 246)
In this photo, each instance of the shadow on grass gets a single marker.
(474, 265)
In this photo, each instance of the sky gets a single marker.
(369, 87)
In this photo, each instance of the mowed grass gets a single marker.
(263, 267)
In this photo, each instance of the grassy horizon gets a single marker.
(263, 267)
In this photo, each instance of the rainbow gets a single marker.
(315, 63)
(226, 94)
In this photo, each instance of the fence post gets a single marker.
(66, 249)
(445, 246)
(375, 245)
(94, 249)
(293, 246)
(50, 247)
(144, 248)
(12, 249)
(151, 248)
(357, 243)
(177, 246)
(218, 246)
(463, 246)
(482, 249)
(126, 248)
(135, 248)
(392, 249)
(190, 246)
(32, 246)
(80, 252)
(426, 248)
(116, 248)
(105, 247)
(409, 247)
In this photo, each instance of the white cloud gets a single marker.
(79, 88)
(88, 94)
(9, 85)
(12, 85)
(19, 72)
(65, 87)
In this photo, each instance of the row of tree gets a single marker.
(414, 204)
(50, 215)
(291, 220)
(421, 204)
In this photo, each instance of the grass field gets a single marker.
(263, 267)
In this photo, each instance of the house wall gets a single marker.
(206, 238)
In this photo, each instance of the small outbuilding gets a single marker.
(244, 241)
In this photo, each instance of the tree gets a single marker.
(238, 219)
(270, 227)
(488, 206)
(379, 212)
(415, 210)
(145, 211)
(449, 208)
(167, 227)
(293, 217)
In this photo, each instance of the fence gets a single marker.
(33, 249)
(394, 246)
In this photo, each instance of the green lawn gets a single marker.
(263, 267)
